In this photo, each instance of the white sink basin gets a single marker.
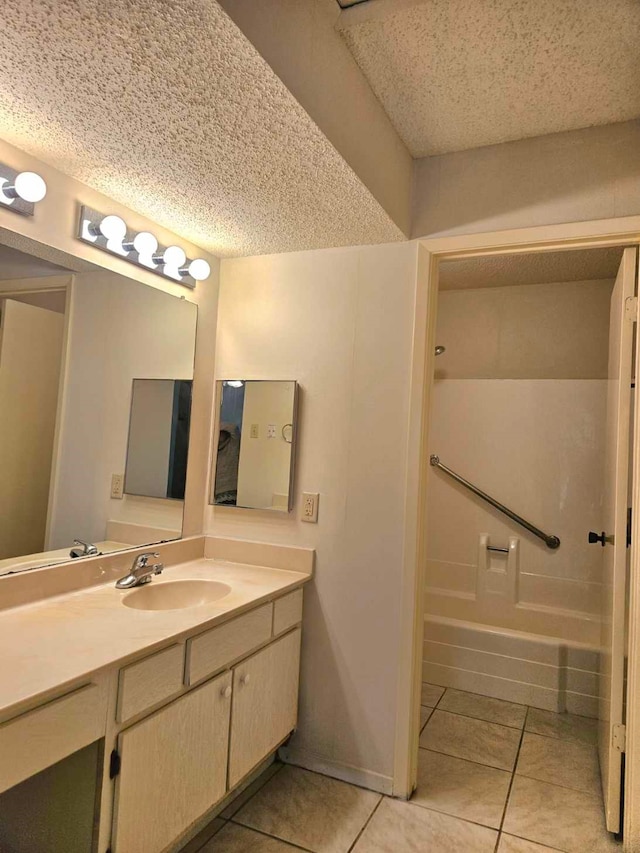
(175, 595)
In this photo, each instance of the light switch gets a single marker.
(255, 431)
(310, 507)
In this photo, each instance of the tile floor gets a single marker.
(493, 777)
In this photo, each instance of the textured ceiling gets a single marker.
(534, 268)
(15, 264)
(167, 108)
(455, 74)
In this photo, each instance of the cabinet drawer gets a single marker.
(41, 737)
(209, 652)
(287, 612)
(149, 681)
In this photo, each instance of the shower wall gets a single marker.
(519, 410)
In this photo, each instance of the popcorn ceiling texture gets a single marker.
(530, 268)
(454, 74)
(167, 108)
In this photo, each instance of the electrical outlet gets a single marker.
(117, 486)
(255, 431)
(310, 507)
(271, 430)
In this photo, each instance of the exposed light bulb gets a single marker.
(145, 243)
(113, 228)
(30, 187)
(174, 256)
(199, 269)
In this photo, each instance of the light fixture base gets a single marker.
(88, 233)
(14, 203)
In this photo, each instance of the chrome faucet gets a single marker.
(141, 572)
(86, 549)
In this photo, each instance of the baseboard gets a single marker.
(344, 772)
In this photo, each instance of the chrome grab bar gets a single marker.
(550, 541)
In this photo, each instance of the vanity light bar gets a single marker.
(111, 234)
(21, 191)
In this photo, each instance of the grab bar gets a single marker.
(550, 541)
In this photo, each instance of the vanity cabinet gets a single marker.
(173, 767)
(265, 704)
(237, 701)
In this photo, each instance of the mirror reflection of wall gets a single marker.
(254, 465)
(70, 347)
(158, 438)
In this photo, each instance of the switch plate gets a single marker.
(310, 507)
(117, 486)
(255, 431)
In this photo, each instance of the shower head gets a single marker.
(440, 350)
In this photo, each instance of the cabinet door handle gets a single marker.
(226, 692)
(245, 679)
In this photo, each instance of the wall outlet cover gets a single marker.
(117, 486)
(310, 507)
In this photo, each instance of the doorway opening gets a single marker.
(522, 712)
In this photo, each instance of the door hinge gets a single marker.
(619, 737)
(114, 764)
(631, 308)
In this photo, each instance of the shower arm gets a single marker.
(550, 541)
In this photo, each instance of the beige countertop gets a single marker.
(58, 642)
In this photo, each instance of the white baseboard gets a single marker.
(345, 772)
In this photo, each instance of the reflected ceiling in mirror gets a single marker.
(71, 346)
(256, 437)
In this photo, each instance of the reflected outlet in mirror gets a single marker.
(256, 444)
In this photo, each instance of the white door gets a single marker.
(616, 501)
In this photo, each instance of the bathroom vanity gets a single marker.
(187, 684)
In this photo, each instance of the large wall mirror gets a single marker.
(254, 463)
(95, 398)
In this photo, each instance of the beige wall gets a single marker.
(519, 406)
(299, 42)
(340, 322)
(540, 331)
(563, 177)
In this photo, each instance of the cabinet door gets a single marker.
(265, 704)
(173, 768)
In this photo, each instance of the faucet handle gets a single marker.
(142, 560)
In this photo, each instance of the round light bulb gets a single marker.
(199, 269)
(113, 228)
(145, 243)
(30, 187)
(174, 256)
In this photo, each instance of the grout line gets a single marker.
(529, 841)
(468, 760)
(367, 822)
(513, 774)
(267, 835)
(257, 790)
(479, 719)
